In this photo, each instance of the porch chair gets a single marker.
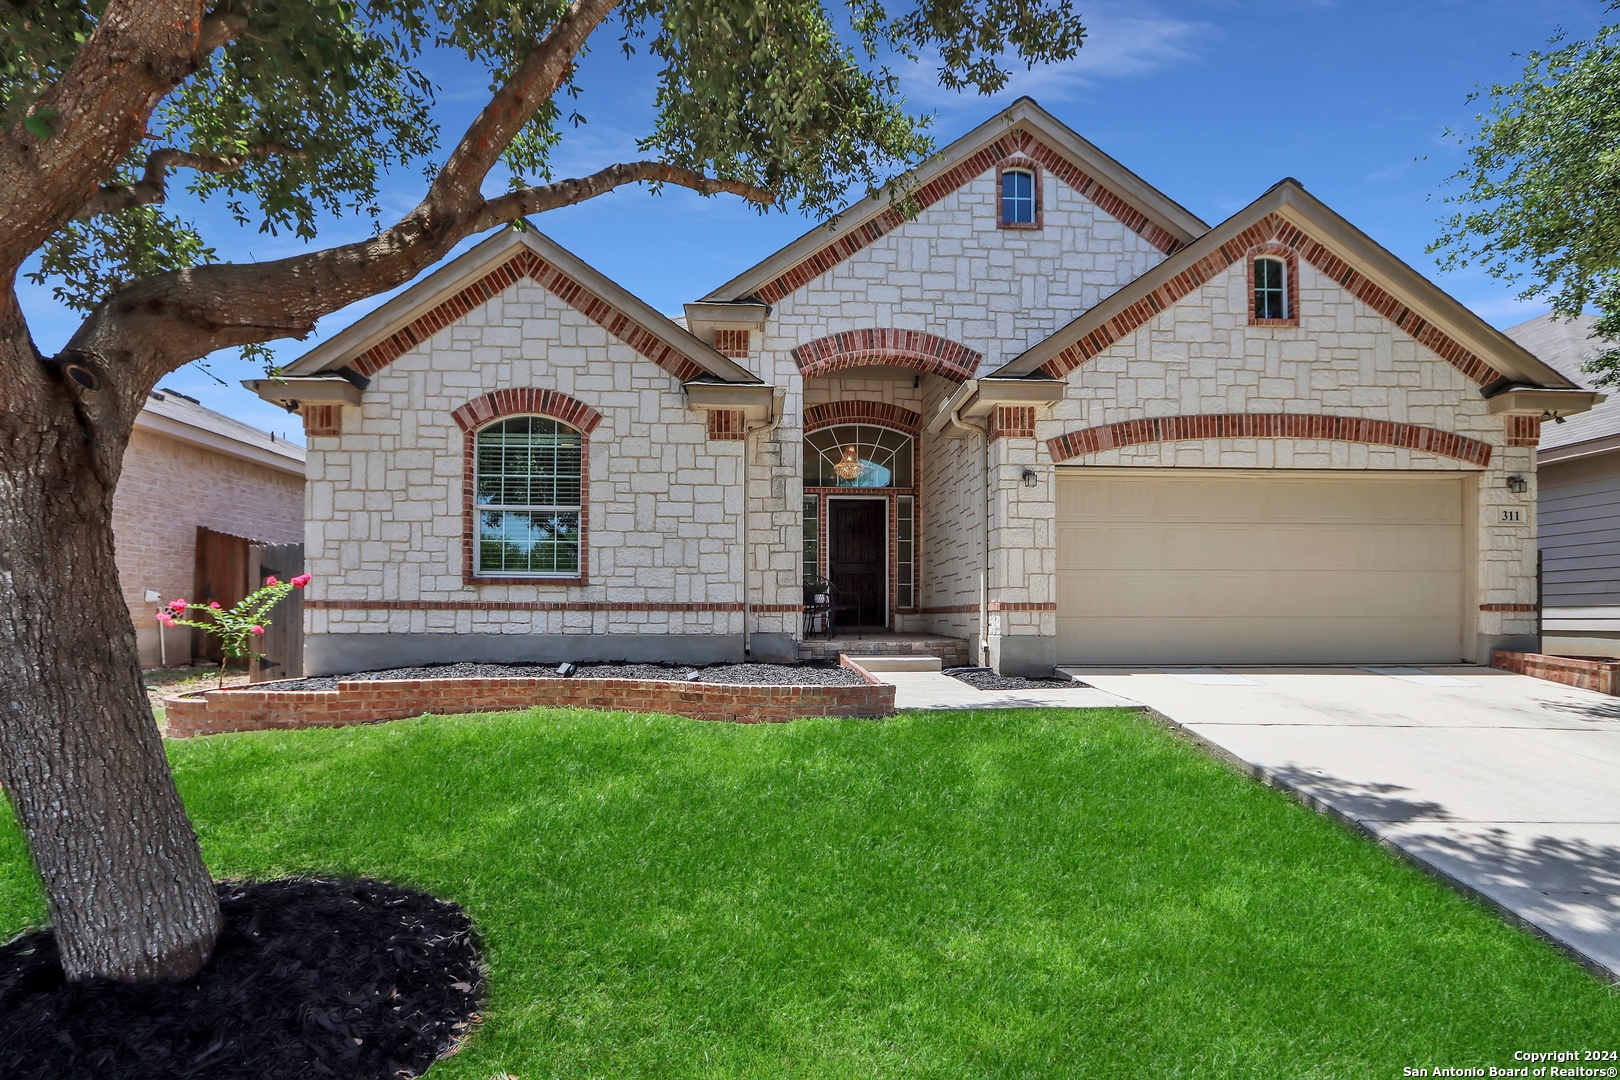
(818, 608)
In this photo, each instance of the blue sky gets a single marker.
(1212, 101)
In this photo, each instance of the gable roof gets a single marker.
(459, 286)
(1023, 128)
(1291, 215)
(174, 415)
(1566, 344)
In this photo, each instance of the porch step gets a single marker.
(952, 652)
(898, 663)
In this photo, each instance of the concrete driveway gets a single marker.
(1506, 785)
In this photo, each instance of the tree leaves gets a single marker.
(1542, 187)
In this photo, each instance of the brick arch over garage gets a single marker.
(1269, 426)
(817, 417)
(521, 400)
(887, 346)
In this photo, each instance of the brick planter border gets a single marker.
(1600, 675)
(371, 701)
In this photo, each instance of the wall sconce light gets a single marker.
(1031, 478)
(1518, 485)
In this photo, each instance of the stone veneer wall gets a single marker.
(371, 701)
(166, 489)
(384, 507)
(1200, 356)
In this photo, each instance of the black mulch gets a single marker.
(984, 679)
(809, 673)
(310, 979)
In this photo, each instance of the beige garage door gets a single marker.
(1176, 566)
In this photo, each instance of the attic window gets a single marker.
(1270, 288)
(1020, 199)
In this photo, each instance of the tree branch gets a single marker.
(153, 184)
(533, 200)
(138, 53)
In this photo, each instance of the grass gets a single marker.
(1040, 893)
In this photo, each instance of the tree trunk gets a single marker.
(82, 761)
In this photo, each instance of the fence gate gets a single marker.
(283, 640)
(222, 577)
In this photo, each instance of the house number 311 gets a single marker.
(1512, 517)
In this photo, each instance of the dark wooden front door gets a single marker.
(857, 554)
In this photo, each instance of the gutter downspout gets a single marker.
(983, 431)
(774, 419)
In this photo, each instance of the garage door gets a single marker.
(1175, 566)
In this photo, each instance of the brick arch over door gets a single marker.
(1269, 426)
(887, 346)
(522, 401)
(817, 417)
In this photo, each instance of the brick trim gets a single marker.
(526, 400)
(1525, 608)
(526, 264)
(1009, 145)
(732, 343)
(1269, 426)
(1524, 430)
(1273, 228)
(1020, 605)
(1290, 259)
(728, 425)
(833, 413)
(1012, 422)
(322, 421)
(1020, 164)
(538, 605)
(522, 401)
(1602, 676)
(951, 609)
(884, 345)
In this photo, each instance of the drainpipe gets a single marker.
(770, 423)
(983, 431)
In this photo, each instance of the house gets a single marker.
(1054, 415)
(1577, 501)
(187, 467)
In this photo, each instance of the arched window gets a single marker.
(1017, 197)
(1270, 288)
(529, 494)
(858, 455)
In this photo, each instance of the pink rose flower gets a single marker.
(272, 580)
(165, 618)
(213, 605)
(256, 629)
(300, 581)
(177, 605)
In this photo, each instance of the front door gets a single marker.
(857, 555)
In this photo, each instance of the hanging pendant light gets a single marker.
(849, 467)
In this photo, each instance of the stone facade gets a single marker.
(887, 320)
(167, 489)
(662, 521)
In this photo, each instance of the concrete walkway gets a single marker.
(1507, 786)
(931, 690)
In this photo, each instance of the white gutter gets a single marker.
(771, 421)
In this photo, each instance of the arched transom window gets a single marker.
(858, 455)
(528, 498)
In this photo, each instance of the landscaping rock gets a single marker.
(360, 980)
(806, 674)
(984, 679)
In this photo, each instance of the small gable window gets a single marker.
(1270, 288)
(1018, 204)
(529, 496)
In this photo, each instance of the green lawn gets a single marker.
(1018, 894)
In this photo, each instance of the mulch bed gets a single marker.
(356, 979)
(801, 674)
(984, 679)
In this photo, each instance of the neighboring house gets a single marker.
(1577, 501)
(187, 466)
(1055, 415)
